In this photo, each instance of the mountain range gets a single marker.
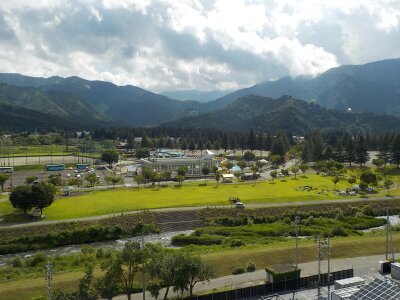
(370, 88)
(296, 116)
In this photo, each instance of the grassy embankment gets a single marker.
(223, 261)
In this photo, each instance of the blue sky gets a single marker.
(192, 44)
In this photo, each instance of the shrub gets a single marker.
(367, 210)
(338, 231)
(340, 216)
(38, 258)
(236, 243)
(237, 271)
(17, 262)
(205, 239)
(251, 266)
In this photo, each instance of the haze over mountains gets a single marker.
(373, 87)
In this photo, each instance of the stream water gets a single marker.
(394, 220)
(163, 238)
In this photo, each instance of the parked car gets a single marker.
(78, 175)
(240, 205)
(68, 175)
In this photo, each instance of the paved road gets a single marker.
(366, 267)
(258, 205)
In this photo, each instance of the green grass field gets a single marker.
(191, 194)
(35, 150)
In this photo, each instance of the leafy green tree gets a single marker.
(318, 146)
(30, 179)
(180, 179)
(148, 174)
(55, 180)
(304, 168)
(139, 179)
(125, 267)
(3, 179)
(86, 290)
(248, 156)
(275, 160)
(166, 175)
(217, 177)
(307, 154)
(351, 180)
(369, 178)
(273, 174)
(387, 183)
(43, 195)
(335, 180)
(196, 271)
(21, 198)
(110, 157)
(295, 170)
(205, 171)
(285, 173)
(142, 153)
(378, 162)
(154, 289)
(242, 164)
(92, 179)
(260, 164)
(182, 170)
(113, 179)
(254, 169)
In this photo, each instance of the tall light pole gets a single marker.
(49, 268)
(297, 221)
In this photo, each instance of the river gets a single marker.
(163, 238)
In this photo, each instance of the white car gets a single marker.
(68, 175)
(240, 205)
(78, 175)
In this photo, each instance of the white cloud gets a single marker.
(194, 44)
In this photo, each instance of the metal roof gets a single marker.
(378, 290)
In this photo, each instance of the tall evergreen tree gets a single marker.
(395, 150)
(307, 154)
(349, 150)
(384, 148)
(268, 141)
(318, 146)
(225, 142)
(278, 147)
(252, 141)
(360, 150)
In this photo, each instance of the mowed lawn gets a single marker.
(191, 194)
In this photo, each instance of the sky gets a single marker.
(164, 45)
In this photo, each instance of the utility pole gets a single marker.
(387, 234)
(49, 268)
(297, 221)
(327, 246)
(143, 265)
(319, 256)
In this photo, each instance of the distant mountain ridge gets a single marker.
(295, 116)
(373, 87)
(128, 104)
(200, 96)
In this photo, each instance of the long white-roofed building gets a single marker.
(194, 164)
